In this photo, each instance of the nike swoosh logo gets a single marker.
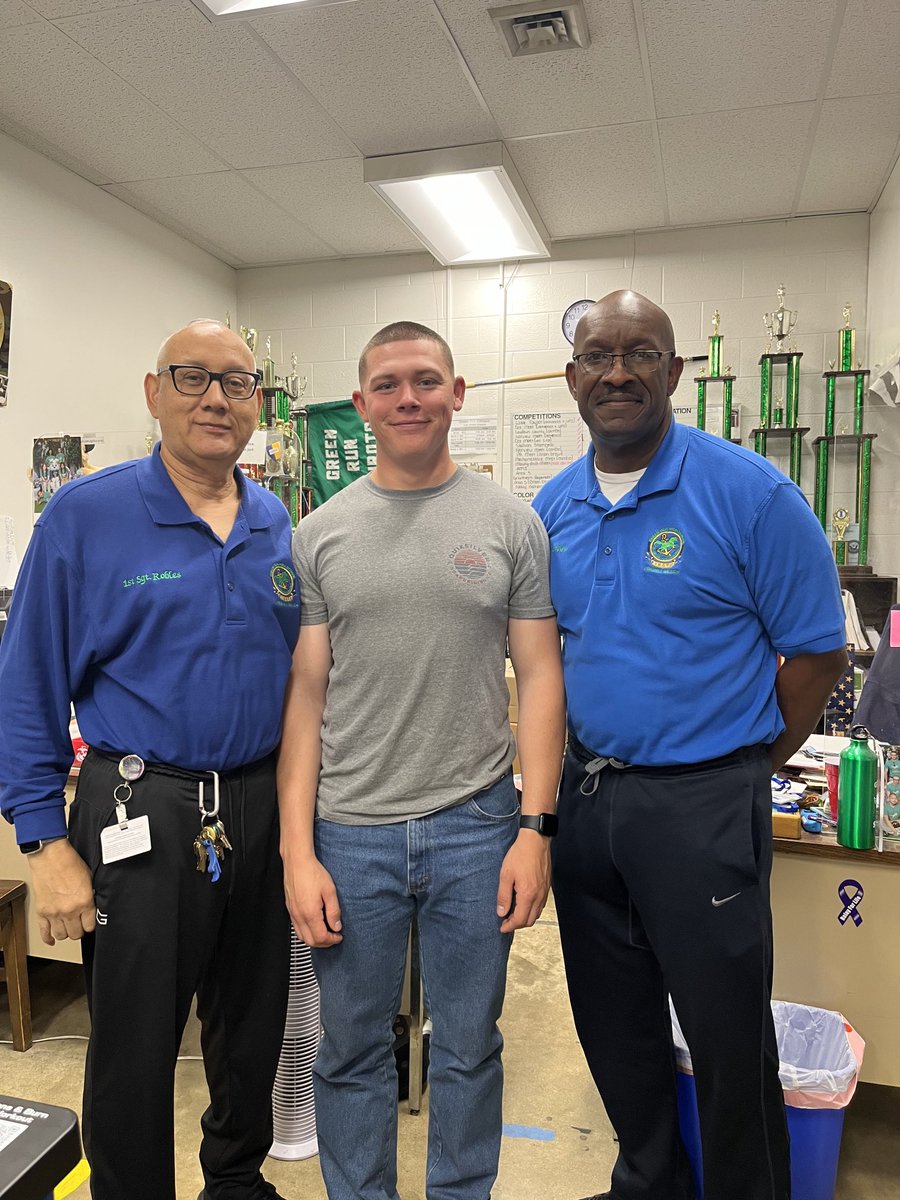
(718, 903)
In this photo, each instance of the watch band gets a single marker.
(545, 824)
(34, 847)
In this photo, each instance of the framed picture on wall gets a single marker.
(5, 322)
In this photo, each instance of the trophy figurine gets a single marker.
(840, 521)
(268, 367)
(846, 341)
(779, 323)
(250, 336)
(294, 385)
(714, 353)
(227, 318)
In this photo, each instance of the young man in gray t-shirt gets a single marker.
(395, 784)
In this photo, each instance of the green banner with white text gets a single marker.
(341, 447)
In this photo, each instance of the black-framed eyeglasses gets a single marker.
(195, 381)
(637, 362)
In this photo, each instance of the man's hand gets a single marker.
(525, 879)
(63, 892)
(312, 902)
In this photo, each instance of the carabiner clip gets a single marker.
(204, 811)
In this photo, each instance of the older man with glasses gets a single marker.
(682, 566)
(159, 597)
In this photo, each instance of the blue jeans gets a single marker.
(444, 869)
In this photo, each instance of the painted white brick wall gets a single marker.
(505, 320)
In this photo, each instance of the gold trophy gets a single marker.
(250, 336)
(779, 323)
(840, 521)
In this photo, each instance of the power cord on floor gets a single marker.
(62, 1037)
(81, 1037)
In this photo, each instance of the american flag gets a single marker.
(841, 703)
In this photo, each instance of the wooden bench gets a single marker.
(15, 964)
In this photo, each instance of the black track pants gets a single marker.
(165, 933)
(662, 887)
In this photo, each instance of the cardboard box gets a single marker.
(517, 770)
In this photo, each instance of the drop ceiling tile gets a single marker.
(223, 208)
(16, 12)
(602, 84)
(331, 199)
(867, 51)
(854, 145)
(386, 72)
(121, 192)
(51, 150)
(220, 82)
(53, 88)
(593, 182)
(709, 57)
(51, 9)
(730, 166)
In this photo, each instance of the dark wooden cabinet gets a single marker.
(874, 595)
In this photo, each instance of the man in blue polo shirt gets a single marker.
(159, 596)
(681, 567)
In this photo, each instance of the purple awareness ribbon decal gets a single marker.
(850, 903)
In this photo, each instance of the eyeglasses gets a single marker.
(637, 362)
(195, 381)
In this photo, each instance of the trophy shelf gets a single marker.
(781, 430)
(844, 438)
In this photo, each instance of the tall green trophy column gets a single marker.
(831, 441)
(715, 375)
(779, 325)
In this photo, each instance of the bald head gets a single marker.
(621, 309)
(199, 330)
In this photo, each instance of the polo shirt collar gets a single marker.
(167, 506)
(661, 475)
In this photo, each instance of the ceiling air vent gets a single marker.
(539, 27)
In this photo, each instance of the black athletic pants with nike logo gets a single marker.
(169, 933)
(661, 879)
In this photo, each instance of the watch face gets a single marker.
(572, 316)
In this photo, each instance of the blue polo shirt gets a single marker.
(672, 605)
(172, 645)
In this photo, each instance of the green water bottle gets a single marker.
(857, 783)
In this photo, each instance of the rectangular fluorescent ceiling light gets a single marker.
(230, 10)
(467, 203)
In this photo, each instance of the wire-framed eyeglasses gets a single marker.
(637, 362)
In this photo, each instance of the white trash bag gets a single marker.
(819, 1052)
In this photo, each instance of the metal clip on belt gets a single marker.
(592, 772)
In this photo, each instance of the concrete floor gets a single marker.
(547, 1087)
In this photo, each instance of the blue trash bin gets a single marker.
(820, 1056)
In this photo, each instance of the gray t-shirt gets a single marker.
(417, 588)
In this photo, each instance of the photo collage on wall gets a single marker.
(5, 323)
(55, 461)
